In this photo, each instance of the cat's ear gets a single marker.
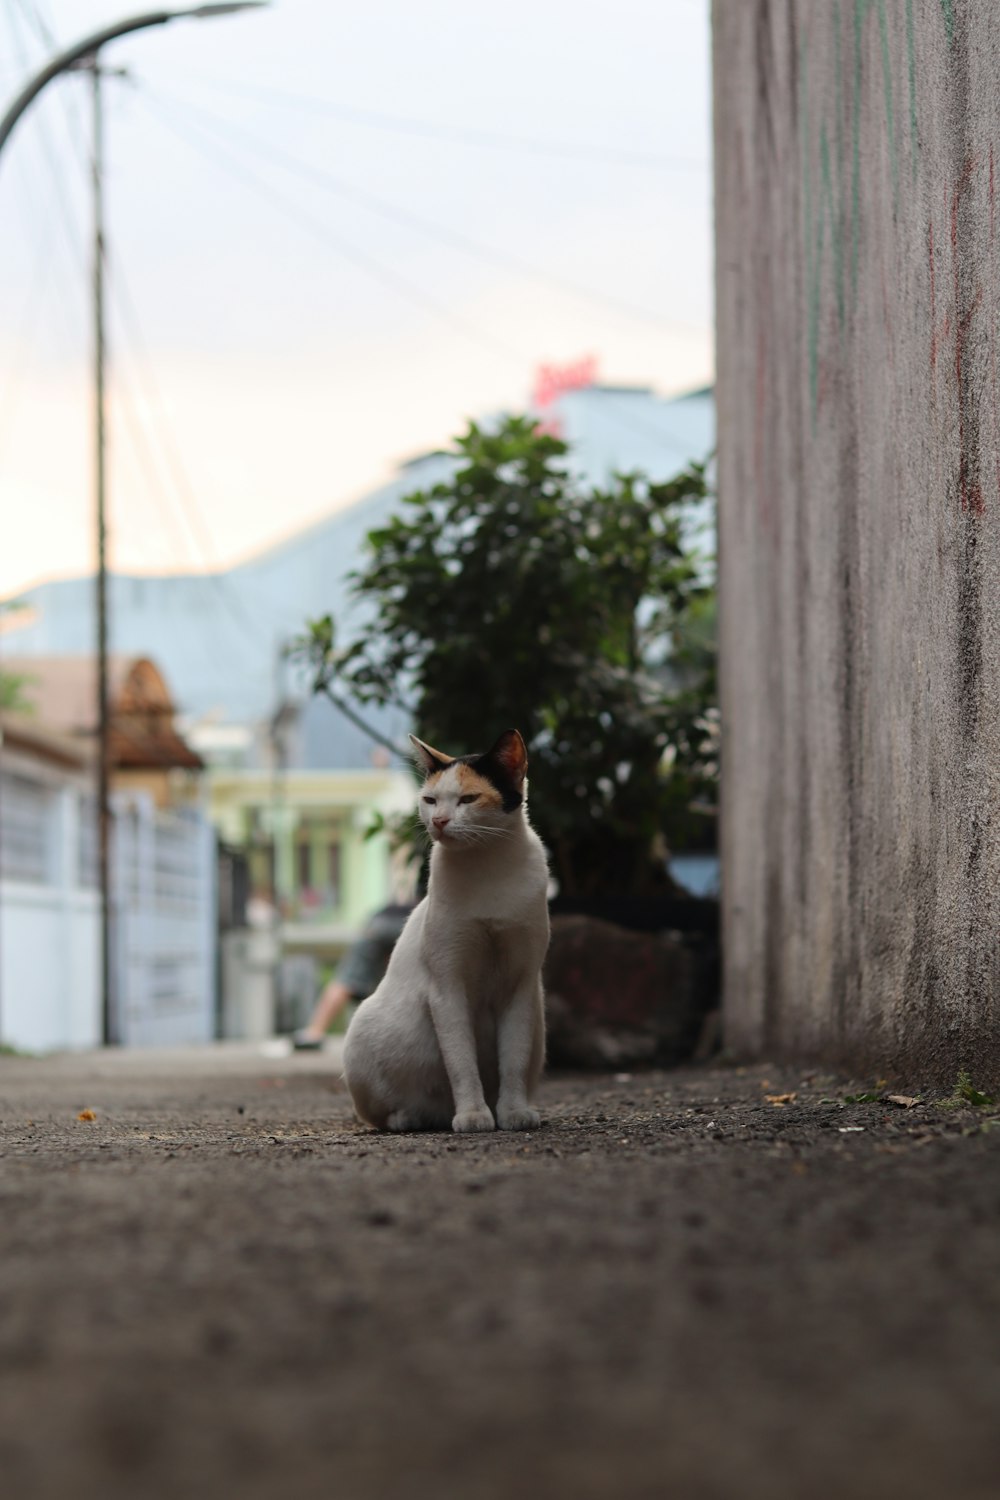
(430, 759)
(511, 754)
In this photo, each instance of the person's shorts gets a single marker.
(363, 965)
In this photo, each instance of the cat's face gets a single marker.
(472, 800)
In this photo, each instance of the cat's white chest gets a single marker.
(488, 955)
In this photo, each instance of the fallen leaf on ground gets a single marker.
(780, 1100)
(86, 1114)
(905, 1101)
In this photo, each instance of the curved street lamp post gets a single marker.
(84, 54)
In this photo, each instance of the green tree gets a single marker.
(513, 595)
(12, 692)
(12, 684)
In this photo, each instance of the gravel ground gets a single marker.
(682, 1286)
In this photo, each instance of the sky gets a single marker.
(334, 233)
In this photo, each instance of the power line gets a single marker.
(193, 520)
(182, 490)
(321, 231)
(460, 134)
(42, 253)
(33, 15)
(77, 131)
(70, 227)
(454, 238)
(10, 391)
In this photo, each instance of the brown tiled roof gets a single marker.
(62, 691)
(20, 732)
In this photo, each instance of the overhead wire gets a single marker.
(464, 135)
(12, 387)
(69, 223)
(181, 490)
(225, 161)
(37, 214)
(444, 234)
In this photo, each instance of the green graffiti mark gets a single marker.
(860, 12)
(883, 27)
(838, 74)
(815, 238)
(832, 158)
(827, 215)
(862, 9)
(911, 69)
(949, 19)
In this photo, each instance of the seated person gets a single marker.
(358, 973)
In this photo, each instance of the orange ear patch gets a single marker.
(469, 782)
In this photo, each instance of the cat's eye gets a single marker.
(431, 800)
(469, 797)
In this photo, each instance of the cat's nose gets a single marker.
(441, 821)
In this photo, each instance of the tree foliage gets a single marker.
(13, 697)
(513, 595)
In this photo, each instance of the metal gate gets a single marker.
(164, 874)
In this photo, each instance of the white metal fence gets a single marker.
(164, 955)
(164, 874)
(49, 910)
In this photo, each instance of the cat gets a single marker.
(455, 1033)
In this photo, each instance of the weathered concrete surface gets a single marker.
(858, 273)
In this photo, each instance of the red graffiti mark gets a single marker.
(930, 261)
(974, 499)
(760, 408)
(970, 491)
(887, 320)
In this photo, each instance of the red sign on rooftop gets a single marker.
(553, 381)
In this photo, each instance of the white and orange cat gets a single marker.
(455, 1033)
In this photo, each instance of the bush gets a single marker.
(513, 595)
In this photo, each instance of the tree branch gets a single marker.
(359, 723)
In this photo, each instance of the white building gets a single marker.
(49, 905)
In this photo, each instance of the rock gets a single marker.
(615, 997)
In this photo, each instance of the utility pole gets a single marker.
(110, 1020)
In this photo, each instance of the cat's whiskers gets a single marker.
(478, 835)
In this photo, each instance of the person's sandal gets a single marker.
(303, 1041)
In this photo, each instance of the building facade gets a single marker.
(290, 778)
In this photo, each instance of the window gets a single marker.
(88, 855)
(261, 861)
(303, 867)
(27, 813)
(333, 871)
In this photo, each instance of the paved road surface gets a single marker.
(679, 1288)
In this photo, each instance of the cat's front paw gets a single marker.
(518, 1117)
(469, 1120)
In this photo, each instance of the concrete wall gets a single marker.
(858, 284)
